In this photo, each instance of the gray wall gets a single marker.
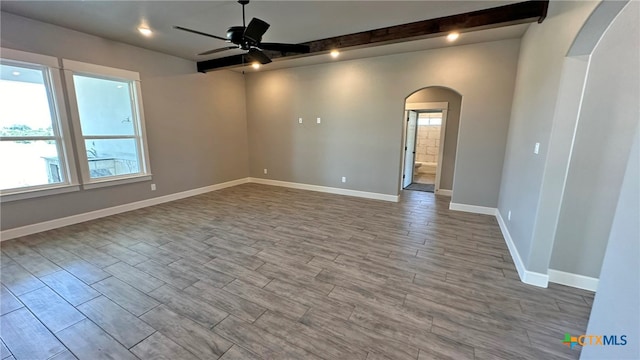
(616, 308)
(361, 103)
(450, 141)
(609, 115)
(542, 54)
(196, 124)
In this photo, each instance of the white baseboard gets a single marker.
(75, 219)
(472, 209)
(529, 277)
(526, 276)
(573, 280)
(326, 189)
(444, 192)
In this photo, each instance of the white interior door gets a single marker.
(410, 148)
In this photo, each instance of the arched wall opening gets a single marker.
(602, 139)
(587, 152)
(610, 114)
(435, 144)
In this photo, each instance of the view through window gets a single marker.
(430, 118)
(109, 126)
(29, 139)
(37, 151)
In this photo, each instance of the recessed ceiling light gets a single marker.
(453, 36)
(15, 73)
(119, 86)
(145, 31)
(256, 65)
(335, 53)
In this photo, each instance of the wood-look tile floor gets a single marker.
(254, 272)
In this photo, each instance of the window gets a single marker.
(108, 122)
(33, 131)
(430, 118)
(36, 152)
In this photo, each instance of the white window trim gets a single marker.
(28, 57)
(120, 180)
(70, 68)
(33, 192)
(93, 69)
(66, 154)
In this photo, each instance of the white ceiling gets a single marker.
(291, 21)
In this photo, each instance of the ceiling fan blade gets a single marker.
(257, 55)
(218, 50)
(199, 33)
(285, 48)
(255, 30)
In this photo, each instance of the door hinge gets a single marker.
(403, 176)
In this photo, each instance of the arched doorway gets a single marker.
(431, 121)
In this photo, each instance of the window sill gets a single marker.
(61, 189)
(29, 194)
(95, 184)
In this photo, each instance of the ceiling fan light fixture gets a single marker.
(335, 53)
(248, 38)
(453, 36)
(145, 31)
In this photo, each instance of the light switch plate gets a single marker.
(299, 120)
(318, 120)
(536, 149)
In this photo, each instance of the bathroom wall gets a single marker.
(427, 143)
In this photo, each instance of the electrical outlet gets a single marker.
(344, 179)
(509, 215)
(265, 171)
(153, 187)
(299, 120)
(318, 120)
(536, 148)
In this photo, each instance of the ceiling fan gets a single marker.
(248, 38)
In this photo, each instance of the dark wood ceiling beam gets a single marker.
(507, 15)
(513, 14)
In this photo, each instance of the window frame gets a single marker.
(59, 124)
(72, 68)
(428, 119)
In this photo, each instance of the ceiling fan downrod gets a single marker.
(243, 3)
